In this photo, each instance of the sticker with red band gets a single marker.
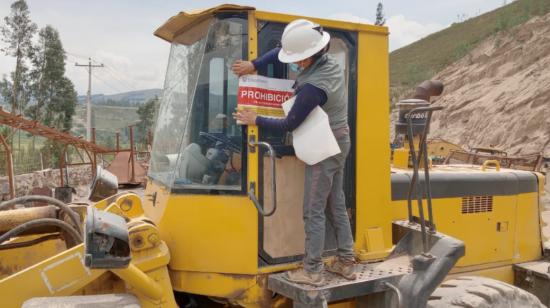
(263, 94)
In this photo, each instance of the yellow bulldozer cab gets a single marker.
(202, 167)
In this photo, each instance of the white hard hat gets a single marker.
(301, 40)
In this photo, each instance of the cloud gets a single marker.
(404, 31)
(109, 58)
(350, 18)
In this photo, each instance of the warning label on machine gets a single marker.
(263, 94)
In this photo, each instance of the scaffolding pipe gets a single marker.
(9, 166)
(132, 160)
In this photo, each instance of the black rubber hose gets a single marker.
(29, 243)
(35, 198)
(41, 223)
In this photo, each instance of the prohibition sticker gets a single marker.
(264, 95)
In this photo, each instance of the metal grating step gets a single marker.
(371, 278)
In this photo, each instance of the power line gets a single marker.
(112, 87)
(89, 97)
(117, 75)
(112, 72)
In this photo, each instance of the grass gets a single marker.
(423, 59)
(107, 120)
(107, 117)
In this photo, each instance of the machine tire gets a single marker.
(481, 292)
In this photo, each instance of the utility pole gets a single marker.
(89, 98)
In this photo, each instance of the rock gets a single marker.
(80, 177)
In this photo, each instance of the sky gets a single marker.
(119, 34)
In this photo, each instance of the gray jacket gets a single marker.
(327, 75)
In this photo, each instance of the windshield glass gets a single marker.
(197, 143)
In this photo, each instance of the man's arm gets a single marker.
(267, 58)
(242, 67)
(307, 99)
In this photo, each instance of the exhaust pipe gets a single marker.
(427, 89)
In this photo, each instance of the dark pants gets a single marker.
(323, 189)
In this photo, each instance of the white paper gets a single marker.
(313, 140)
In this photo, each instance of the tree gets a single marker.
(61, 109)
(380, 20)
(146, 113)
(17, 33)
(54, 95)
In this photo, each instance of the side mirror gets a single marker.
(104, 185)
(107, 241)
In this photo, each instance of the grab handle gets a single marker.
(492, 162)
(251, 192)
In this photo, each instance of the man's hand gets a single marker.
(241, 67)
(247, 117)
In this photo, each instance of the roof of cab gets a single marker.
(184, 20)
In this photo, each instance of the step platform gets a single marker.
(534, 277)
(372, 277)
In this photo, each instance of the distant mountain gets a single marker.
(131, 98)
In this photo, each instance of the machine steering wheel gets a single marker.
(219, 140)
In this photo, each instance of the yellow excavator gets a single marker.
(220, 220)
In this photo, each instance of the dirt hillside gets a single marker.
(499, 94)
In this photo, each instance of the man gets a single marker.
(320, 82)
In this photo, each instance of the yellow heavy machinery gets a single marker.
(221, 217)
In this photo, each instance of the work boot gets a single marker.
(304, 277)
(345, 269)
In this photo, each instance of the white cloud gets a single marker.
(349, 17)
(404, 31)
(109, 58)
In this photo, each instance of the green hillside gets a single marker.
(107, 120)
(107, 117)
(423, 59)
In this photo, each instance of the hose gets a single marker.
(29, 243)
(75, 218)
(41, 223)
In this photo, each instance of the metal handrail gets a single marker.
(397, 293)
(415, 183)
(251, 192)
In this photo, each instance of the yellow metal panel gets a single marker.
(528, 233)
(502, 273)
(336, 24)
(253, 160)
(374, 239)
(401, 158)
(211, 284)
(240, 290)
(373, 245)
(252, 36)
(61, 275)
(65, 272)
(344, 304)
(372, 152)
(17, 259)
(155, 201)
(211, 233)
(519, 241)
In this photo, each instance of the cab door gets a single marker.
(281, 235)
